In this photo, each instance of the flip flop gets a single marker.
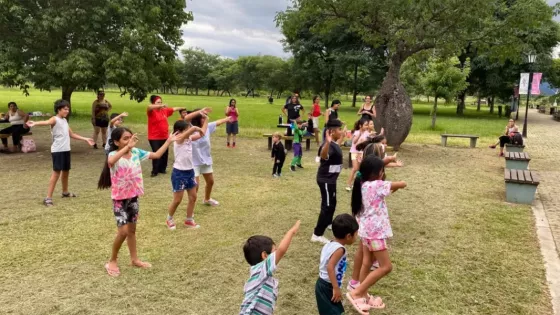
(144, 265)
(360, 305)
(69, 195)
(112, 273)
(375, 302)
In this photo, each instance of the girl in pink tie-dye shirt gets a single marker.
(369, 207)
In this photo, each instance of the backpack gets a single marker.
(517, 139)
(28, 145)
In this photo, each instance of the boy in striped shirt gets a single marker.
(261, 290)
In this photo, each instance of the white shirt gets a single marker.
(201, 147)
(340, 268)
(60, 135)
(183, 155)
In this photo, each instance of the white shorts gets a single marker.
(203, 169)
(315, 122)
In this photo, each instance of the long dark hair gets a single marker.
(369, 169)
(315, 98)
(105, 177)
(359, 124)
(153, 98)
(197, 121)
(233, 99)
(376, 139)
(180, 126)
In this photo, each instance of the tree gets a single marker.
(197, 67)
(408, 27)
(74, 44)
(249, 75)
(444, 79)
(226, 75)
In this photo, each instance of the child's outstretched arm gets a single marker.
(285, 243)
(331, 266)
(112, 159)
(114, 120)
(49, 122)
(156, 155)
(78, 137)
(397, 185)
(222, 121)
(202, 131)
(193, 115)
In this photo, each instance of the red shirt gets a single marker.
(316, 110)
(158, 126)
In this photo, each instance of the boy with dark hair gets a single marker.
(332, 265)
(278, 155)
(60, 148)
(297, 130)
(330, 156)
(261, 290)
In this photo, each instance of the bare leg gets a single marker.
(316, 132)
(52, 183)
(192, 201)
(355, 167)
(177, 198)
(122, 232)
(103, 136)
(209, 180)
(96, 131)
(228, 136)
(358, 258)
(234, 138)
(64, 180)
(131, 242)
(197, 180)
(371, 278)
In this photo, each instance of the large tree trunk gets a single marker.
(67, 96)
(393, 105)
(492, 105)
(461, 102)
(328, 85)
(478, 103)
(355, 92)
(434, 114)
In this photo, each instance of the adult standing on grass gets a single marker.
(158, 131)
(232, 126)
(315, 114)
(100, 117)
(60, 148)
(202, 157)
(367, 111)
(292, 109)
(18, 127)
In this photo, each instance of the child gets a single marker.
(369, 207)
(297, 130)
(202, 158)
(123, 173)
(310, 129)
(327, 174)
(232, 127)
(60, 148)
(182, 177)
(278, 155)
(333, 265)
(116, 121)
(361, 133)
(261, 290)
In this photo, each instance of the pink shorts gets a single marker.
(375, 245)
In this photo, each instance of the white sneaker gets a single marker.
(319, 239)
(348, 188)
(329, 227)
(211, 202)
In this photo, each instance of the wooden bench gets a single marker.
(542, 109)
(521, 186)
(5, 136)
(472, 137)
(288, 140)
(517, 160)
(514, 147)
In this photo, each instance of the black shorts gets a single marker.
(232, 128)
(61, 161)
(323, 294)
(101, 123)
(126, 211)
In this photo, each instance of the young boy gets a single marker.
(297, 130)
(261, 290)
(331, 164)
(333, 265)
(310, 126)
(60, 148)
(278, 155)
(116, 121)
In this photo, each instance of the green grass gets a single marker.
(258, 117)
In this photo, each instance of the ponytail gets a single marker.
(356, 201)
(105, 177)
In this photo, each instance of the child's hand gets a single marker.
(30, 124)
(163, 105)
(173, 137)
(90, 142)
(328, 136)
(133, 141)
(206, 110)
(229, 118)
(200, 130)
(399, 163)
(382, 131)
(336, 295)
(295, 228)
(125, 114)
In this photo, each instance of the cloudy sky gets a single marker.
(234, 28)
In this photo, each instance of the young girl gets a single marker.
(123, 173)
(60, 148)
(182, 177)
(232, 127)
(315, 114)
(361, 133)
(116, 121)
(369, 207)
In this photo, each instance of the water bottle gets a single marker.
(280, 119)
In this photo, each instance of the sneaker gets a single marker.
(170, 224)
(292, 168)
(95, 146)
(191, 224)
(299, 165)
(274, 175)
(502, 154)
(348, 188)
(319, 239)
(374, 266)
(492, 146)
(329, 227)
(351, 287)
(211, 202)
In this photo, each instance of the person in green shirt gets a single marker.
(297, 129)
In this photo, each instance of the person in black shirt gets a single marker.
(291, 110)
(329, 169)
(278, 155)
(331, 114)
(310, 126)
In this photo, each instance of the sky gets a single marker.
(233, 28)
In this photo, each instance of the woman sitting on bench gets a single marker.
(17, 119)
(511, 136)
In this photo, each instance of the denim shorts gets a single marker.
(182, 180)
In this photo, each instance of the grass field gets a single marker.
(458, 247)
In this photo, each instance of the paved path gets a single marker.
(543, 145)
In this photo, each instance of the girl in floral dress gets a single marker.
(123, 174)
(369, 207)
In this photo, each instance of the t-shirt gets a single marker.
(316, 110)
(333, 114)
(60, 135)
(293, 110)
(374, 219)
(201, 147)
(330, 168)
(233, 114)
(340, 268)
(183, 155)
(261, 290)
(158, 126)
(310, 126)
(298, 133)
(126, 175)
(363, 137)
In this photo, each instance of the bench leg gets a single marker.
(288, 144)
(473, 142)
(444, 141)
(307, 144)
(269, 143)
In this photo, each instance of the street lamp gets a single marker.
(531, 58)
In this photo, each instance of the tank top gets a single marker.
(60, 136)
(511, 130)
(183, 155)
(232, 114)
(333, 115)
(16, 119)
(366, 116)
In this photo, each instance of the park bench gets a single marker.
(514, 147)
(556, 115)
(288, 140)
(517, 160)
(472, 137)
(542, 109)
(521, 186)
(5, 136)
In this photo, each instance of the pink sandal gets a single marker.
(360, 305)
(375, 302)
(112, 272)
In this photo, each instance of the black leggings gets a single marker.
(159, 165)
(328, 206)
(16, 131)
(277, 169)
(504, 140)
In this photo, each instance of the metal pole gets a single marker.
(527, 107)
(518, 105)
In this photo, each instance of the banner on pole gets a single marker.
(524, 84)
(535, 84)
